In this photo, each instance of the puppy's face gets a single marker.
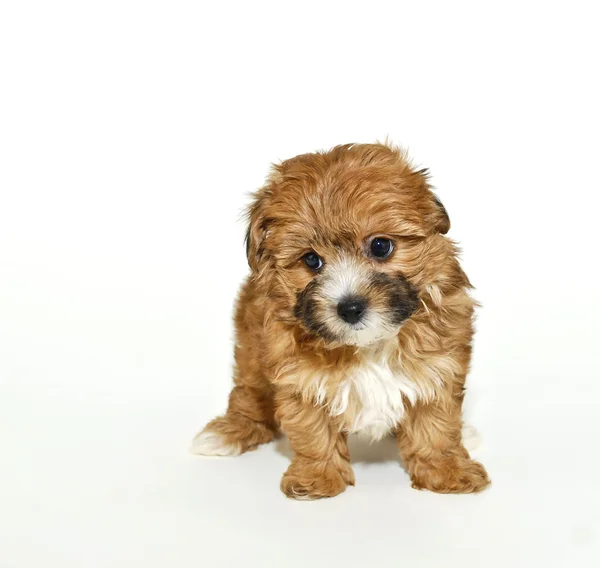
(354, 301)
(341, 242)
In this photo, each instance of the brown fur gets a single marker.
(329, 202)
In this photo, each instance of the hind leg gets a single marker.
(249, 420)
(247, 423)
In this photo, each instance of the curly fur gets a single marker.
(300, 369)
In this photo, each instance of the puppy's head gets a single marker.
(342, 241)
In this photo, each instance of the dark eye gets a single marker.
(313, 260)
(381, 247)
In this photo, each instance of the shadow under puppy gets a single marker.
(356, 317)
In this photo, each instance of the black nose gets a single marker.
(352, 309)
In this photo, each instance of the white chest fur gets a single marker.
(379, 389)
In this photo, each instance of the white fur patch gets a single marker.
(344, 278)
(470, 438)
(208, 443)
(381, 388)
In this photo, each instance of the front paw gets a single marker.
(309, 480)
(448, 473)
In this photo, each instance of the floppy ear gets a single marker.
(439, 216)
(247, 243)
(441, 221)
(257, 228)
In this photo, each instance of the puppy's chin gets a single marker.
(369, 331)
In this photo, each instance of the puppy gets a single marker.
(356, 317)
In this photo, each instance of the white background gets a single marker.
(130, 136)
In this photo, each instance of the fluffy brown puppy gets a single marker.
(356, 318)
